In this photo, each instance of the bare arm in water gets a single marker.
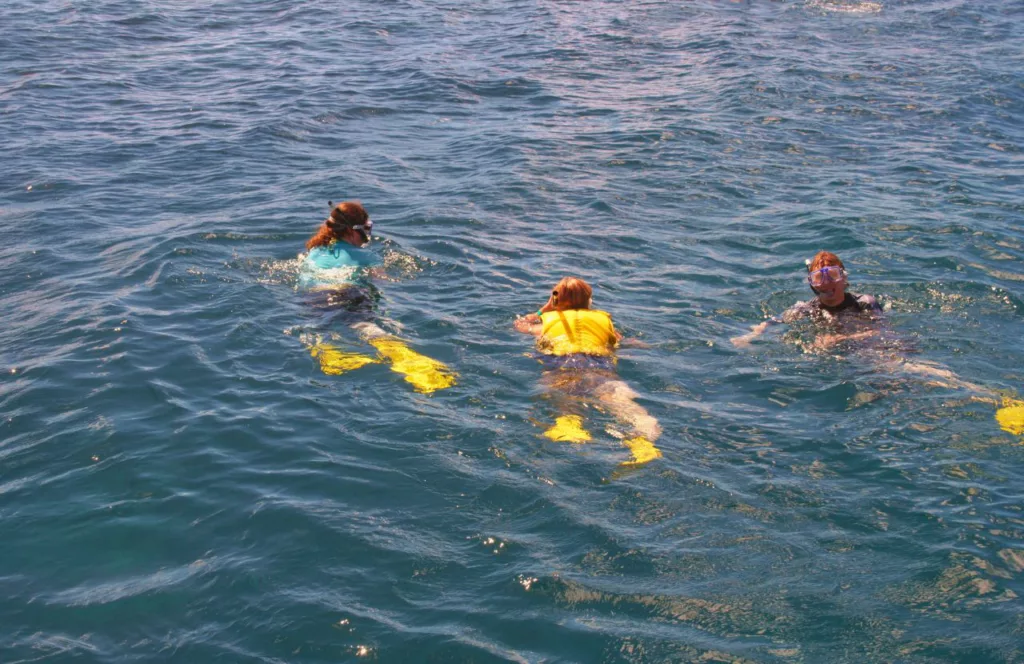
(863, 304)
(744, 340)
(528, 324)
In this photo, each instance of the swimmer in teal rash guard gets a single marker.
(832, 306)
(348, 227)
(334, 273)
(335, 270)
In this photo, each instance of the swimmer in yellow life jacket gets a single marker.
(334, 273)
(577, 345)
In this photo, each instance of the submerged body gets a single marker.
(841, 317)
(334, 281)
(855, 318)
(577, 349)
(815, 308)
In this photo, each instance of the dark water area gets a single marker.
(180, 482)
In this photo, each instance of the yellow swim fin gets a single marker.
(426, 375)
(335, 362)
(1011, 416)
(568, 429)
(643, 451)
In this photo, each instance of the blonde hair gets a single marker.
(571, 293)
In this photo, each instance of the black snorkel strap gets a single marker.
(364, 229)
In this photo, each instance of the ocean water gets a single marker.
(180, 482)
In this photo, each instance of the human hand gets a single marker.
(526, 323)
(743, 341)
(827, 341)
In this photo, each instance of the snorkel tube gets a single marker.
(807, 264)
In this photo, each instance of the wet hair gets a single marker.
(571, 293)
(824, 259)
(343, 216)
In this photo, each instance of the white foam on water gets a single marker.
(846, 7)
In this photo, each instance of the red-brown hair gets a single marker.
(344, 215)
(824, 259)
(571, 293)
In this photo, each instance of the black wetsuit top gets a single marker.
(853, 303)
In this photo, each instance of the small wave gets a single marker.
(398, 265)
(329, 277)
(112, 591)
(968, 581)
(846, 7)
(403, 265)
(273, 272)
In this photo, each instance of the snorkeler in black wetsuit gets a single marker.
(826, 275)
(835, 309)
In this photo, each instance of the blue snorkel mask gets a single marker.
(829, 274)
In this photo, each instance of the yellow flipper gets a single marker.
(568, 429)
(1011, 416)
(643, 451)
(335, 362)
(425, 374)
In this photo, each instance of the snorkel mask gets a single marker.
(364, 230)
(829, 274)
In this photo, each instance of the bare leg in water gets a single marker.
(614, 396)
(1010, 410)
(619, 398)
(1010, 413)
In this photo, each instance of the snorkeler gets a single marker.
(577, 346)
(831, 304)
(334, 272)
(853, 317)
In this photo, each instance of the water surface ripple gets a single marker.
(180, 483)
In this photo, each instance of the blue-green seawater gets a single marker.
(179, 481)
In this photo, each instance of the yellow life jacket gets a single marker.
(577, 331)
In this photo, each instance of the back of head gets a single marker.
(824, 259)
(349, 213)
(343, 215)
(571, 293)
